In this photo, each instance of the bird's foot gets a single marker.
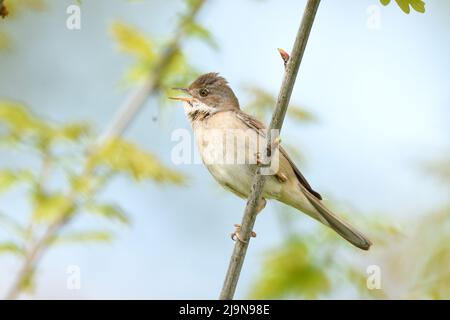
(258, 158)
(276, 143)
(281, 177)
(273, 146)
(236, 234)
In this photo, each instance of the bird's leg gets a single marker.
(281, 177)
(236, 234)
(258, 158)
(273, 146)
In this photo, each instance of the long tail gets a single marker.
(343, 228)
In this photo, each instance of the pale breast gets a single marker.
(228, 149)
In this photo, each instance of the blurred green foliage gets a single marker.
(413, 254)
(289, 271)
(87, 168)
(162, 61)
(262, 104)
(14, 9)
(406, 5)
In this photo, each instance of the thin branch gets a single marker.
(126, 114)
(248, 220)
(33, 254)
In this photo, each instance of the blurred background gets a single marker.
(369, 126)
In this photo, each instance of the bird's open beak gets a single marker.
(184, 99)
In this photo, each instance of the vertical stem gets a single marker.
(248, 220)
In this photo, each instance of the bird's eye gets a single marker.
(204, 92)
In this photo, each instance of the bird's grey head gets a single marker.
(209, 93)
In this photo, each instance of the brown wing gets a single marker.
(300, 176)
(255, 124)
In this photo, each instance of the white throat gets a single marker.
(196, 108)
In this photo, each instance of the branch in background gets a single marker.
(131, 107)
(248, 220)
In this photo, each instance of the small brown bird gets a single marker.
(214, 112)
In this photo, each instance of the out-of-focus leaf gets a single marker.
(417, 5)
(131, 41)
(177, 73)
(27, 282)
(16, 8)
(196, 30)
(289, 271)
(300, 114)
(193, 3)
(73, 131)
(109, 211)
(24, 126)
(84, 237)
(262, 104)
(122, 156)
(11, 248)
(137, 73)
(81, 183)
(9, 178)
(434, 277)
(17, 118)
(5, 41)
(49, 207)
(89, 236)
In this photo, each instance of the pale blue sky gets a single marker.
(381, 97)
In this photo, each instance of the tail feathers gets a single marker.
(344, 229)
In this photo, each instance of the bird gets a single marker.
(214, 113)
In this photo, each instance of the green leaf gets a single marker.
(132, 41)
(90, 236)
(121, 156)
(24, 127)
(73, 131)
(300, 115)
(17, 118)
(177, 72)
(109, 211)
(11, 248)
(196, 30)
(193, 3)
(290, 271)
(81, 183)
(417, 5)
(27, 283)
(5, 41)
(50, 207)
(9, 178)
(262, 104)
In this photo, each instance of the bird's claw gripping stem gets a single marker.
(236, 234)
